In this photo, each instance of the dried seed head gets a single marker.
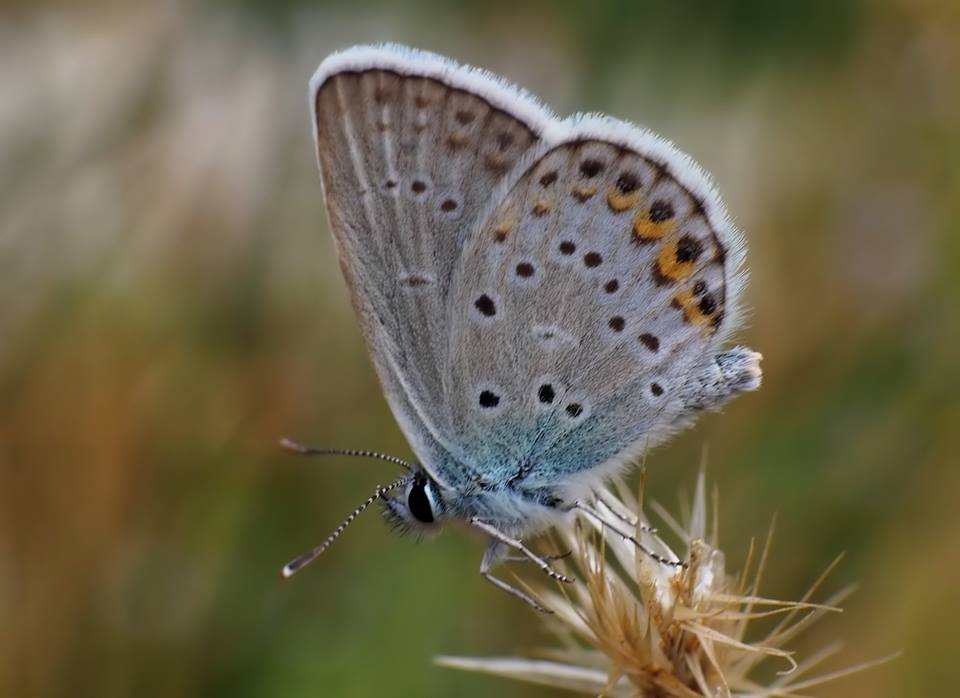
(643, 628)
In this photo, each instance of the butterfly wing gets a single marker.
(589, 307)
(410, 147)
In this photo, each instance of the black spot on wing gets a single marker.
(485, 305)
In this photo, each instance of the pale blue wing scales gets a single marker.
(593, 293)
(410, 148)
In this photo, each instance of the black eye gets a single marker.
(419, 503)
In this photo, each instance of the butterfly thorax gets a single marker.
(514, 510)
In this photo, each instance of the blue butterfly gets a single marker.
(543, 299)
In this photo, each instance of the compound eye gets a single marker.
(419, 503)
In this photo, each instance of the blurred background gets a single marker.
(170, 306)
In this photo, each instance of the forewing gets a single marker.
(605, 277)
(410, 147)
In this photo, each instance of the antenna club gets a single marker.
(290, 445)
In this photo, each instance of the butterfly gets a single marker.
(543, 299)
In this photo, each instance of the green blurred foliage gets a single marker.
(171, 306)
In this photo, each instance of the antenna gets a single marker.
(295, 565)
(303, 450)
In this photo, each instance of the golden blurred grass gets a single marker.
(171, 307)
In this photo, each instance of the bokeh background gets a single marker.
(170, 306)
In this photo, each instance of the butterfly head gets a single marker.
(419, 507)
(410, 503)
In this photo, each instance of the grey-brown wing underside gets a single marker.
(411, 149)
(589, 309)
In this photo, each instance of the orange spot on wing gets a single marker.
(645, 230)
(689, 303)
(541, 208)
(669, 268)
(582, 194)
(618, 201)
(501, 232)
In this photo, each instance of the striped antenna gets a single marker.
(295, 565)
(303, 450)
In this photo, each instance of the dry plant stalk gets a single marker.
(633, 626)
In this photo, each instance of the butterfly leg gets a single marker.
(548, 558)
(518, 545)
(593, 514)
(626, 518)
(494, 555)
